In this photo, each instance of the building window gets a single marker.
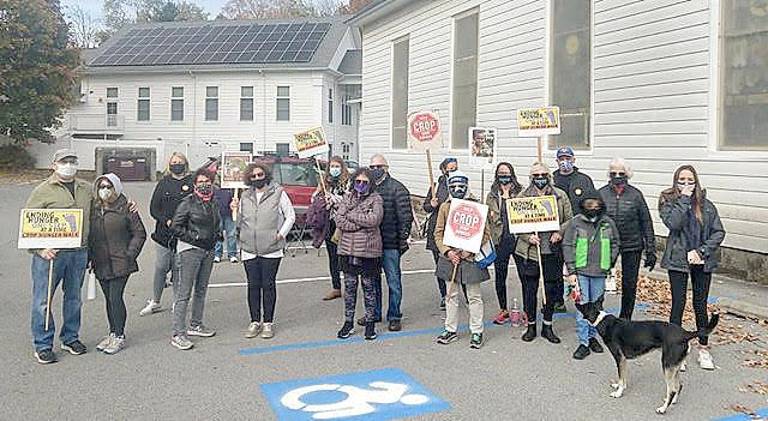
(142, 107)
(112, 94)
(246, 103)
(465, 46)
(177, 103)
(744, 75)
(400, 53)
(330, 105)
(346, 108)
(211, 103)
(283, 103)
(570, 70)
(345, 149)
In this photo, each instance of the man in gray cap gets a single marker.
(60, 191)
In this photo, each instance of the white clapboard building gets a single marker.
(205, 87)
(657, 82)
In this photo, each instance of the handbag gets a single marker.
(486, 256)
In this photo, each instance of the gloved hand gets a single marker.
(650, 260)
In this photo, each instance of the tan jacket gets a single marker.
(527, 250)
(51, 194)
(442, 216)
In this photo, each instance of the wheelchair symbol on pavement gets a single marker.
(359, 401)
(382, 394)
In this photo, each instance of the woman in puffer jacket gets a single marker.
(360, 249)
(115, 241)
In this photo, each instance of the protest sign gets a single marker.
(465, 225)
(482, 145)
(424, 130)
(538, 121)
(311, 143)
(50, 228)
(533, 214)
(233, 165)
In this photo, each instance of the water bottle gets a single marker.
(91, 286)
(515, 316)
(610, 283)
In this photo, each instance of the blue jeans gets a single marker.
(592, 288)
(391, 265)
(69, 270)
(228, 226)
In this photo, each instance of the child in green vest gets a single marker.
(590, 248)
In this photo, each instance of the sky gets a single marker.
(213, 7)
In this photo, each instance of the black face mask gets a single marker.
(177, 169)
(618, 180)
(504, 179)
(260, 183)
(541, 182)
(458, 191)
(592, 214)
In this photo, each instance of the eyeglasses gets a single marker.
(258, 175)
(105, 186)
(617, 173)
(377, 167)
(539, 175)
(70, 160)
(361, 181)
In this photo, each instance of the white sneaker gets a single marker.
(267, 332)
(233, 259)
(253, 330)
(117, 344)
(104, 344)
(217, 259)
(705, 360)
(151, 308)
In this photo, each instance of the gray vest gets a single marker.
(259, 222)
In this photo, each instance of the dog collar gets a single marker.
(600, 317)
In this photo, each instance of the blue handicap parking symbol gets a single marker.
(370, 395)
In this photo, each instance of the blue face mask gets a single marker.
(378, 173)
(565, 166)
(334, 172)
(362, 187)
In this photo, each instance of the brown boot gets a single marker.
(332, 295)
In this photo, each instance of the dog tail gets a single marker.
(707, 330)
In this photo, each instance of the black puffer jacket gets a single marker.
(197, 222)
(115, 239)
(398, 214)
(165, 199)
(576, 184)
(675, 213)
(442, 195)
(630, 213)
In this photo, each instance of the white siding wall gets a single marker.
(336, 131)
(654, 88)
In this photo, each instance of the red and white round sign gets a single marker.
(465, 221)
(423, 127)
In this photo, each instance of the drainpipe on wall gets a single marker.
(263, 110)
(194, 112)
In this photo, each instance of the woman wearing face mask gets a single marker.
(431, 206)
(505, 186)
(115, 240)
(197, 225)
(175, 185)
(695, 234)
(551, 255)
(266, 216)
(360, 249)
(626, 205)
(336, 185)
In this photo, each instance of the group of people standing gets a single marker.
(364, 218)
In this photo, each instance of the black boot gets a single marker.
(370, 331)
(346, 331)
(530, 334)
(549, 334)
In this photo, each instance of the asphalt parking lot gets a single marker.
(230, 377)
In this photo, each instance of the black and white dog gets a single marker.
(629, 339)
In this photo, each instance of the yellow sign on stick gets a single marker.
(50, 228)
(533, 214)
(537, 122)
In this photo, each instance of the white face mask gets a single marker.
(105, 193)
(66, 170)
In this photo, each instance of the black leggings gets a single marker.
(261, 273)
(630, 265)
(113, 295)
(440, 282)
(700, 282)
(333, 263)
(553, 276)
(501, 267)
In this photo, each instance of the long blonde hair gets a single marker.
(176, 155)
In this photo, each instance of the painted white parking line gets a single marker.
(314, 279)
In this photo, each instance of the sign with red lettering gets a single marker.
(465, 225)
(424, 130)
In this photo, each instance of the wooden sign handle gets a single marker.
(431, 176)
(50, 294)
(541, 272)
(321, 176)
(234, 212)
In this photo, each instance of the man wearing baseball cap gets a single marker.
(568, 178)
(60, 191)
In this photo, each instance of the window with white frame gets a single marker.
(345, 149)
(142, 108)
(112, 98)
(211, 103)
(744, 75)
(330, 105)
(283, 103)
(246, 103)
(570, 70)
(346, 108)
(464, 97)
(177, 103)
(400, 61)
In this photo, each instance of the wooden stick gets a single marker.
(453, 279)
(539, 148)
(234, 212)
(431, 176)
(541, 272)
(50, 294)
(322, 176)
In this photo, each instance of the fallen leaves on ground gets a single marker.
(757, 386)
